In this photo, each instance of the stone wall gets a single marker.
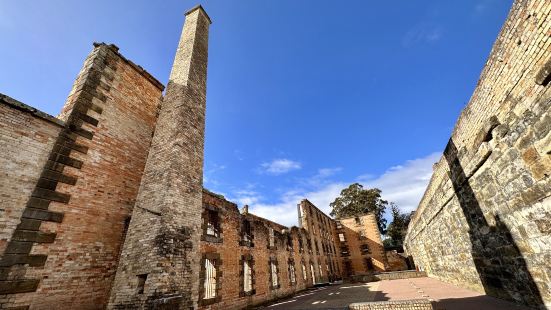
(85, 177)
(395, 275)
(484, 221)
(413, 304)
(396, 261)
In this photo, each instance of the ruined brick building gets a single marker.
(484, 221)
(104, 206)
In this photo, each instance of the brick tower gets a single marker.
(159, 264)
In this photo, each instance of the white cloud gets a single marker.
(422, 33)
(483, 6)
(246, 197)
(403, 184)
(327, 172)
(406, 183)
(280, 166)
(209, 175)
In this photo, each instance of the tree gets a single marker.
(355, 200)
(397, 229)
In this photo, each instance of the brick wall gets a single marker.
(484, 221)
(366, 253)
(26, 138)
(321, 231)
(230, 247)
(86, 189)
(162, 244)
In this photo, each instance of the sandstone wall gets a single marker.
(64, 251)
(484, 221)
(396, 262)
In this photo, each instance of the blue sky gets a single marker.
(304, 97)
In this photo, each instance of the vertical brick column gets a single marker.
(162, 243)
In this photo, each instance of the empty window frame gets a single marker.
(344, 251)
(212, 223)
(246, 233)
(289, 242)
(247, 275)
(271, 237)
(292, 273)
(141, 283)
(210, 280)
(341, 237)
(274, 278)
(369, 264)
(304, 273)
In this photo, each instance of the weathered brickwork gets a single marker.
(360, 246)
(26, 138)
(312, 251)
(235, 237)
(322, 234)
(104, 207)
(162, 244)
(85, 176)
(484, 220)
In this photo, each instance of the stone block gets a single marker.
(18, 286)
(43, 215)
(33, 236)
(22, 259)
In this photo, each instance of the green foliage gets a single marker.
(398, 227)
(387, 243)
(355, 200)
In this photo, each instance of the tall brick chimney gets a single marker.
(160, 262)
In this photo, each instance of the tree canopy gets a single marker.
(397, 229)
(355, 200)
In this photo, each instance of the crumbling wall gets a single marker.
(484, 221)
(64, 252)
(229, 247)
(321, 231)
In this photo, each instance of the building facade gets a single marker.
(104, 206)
